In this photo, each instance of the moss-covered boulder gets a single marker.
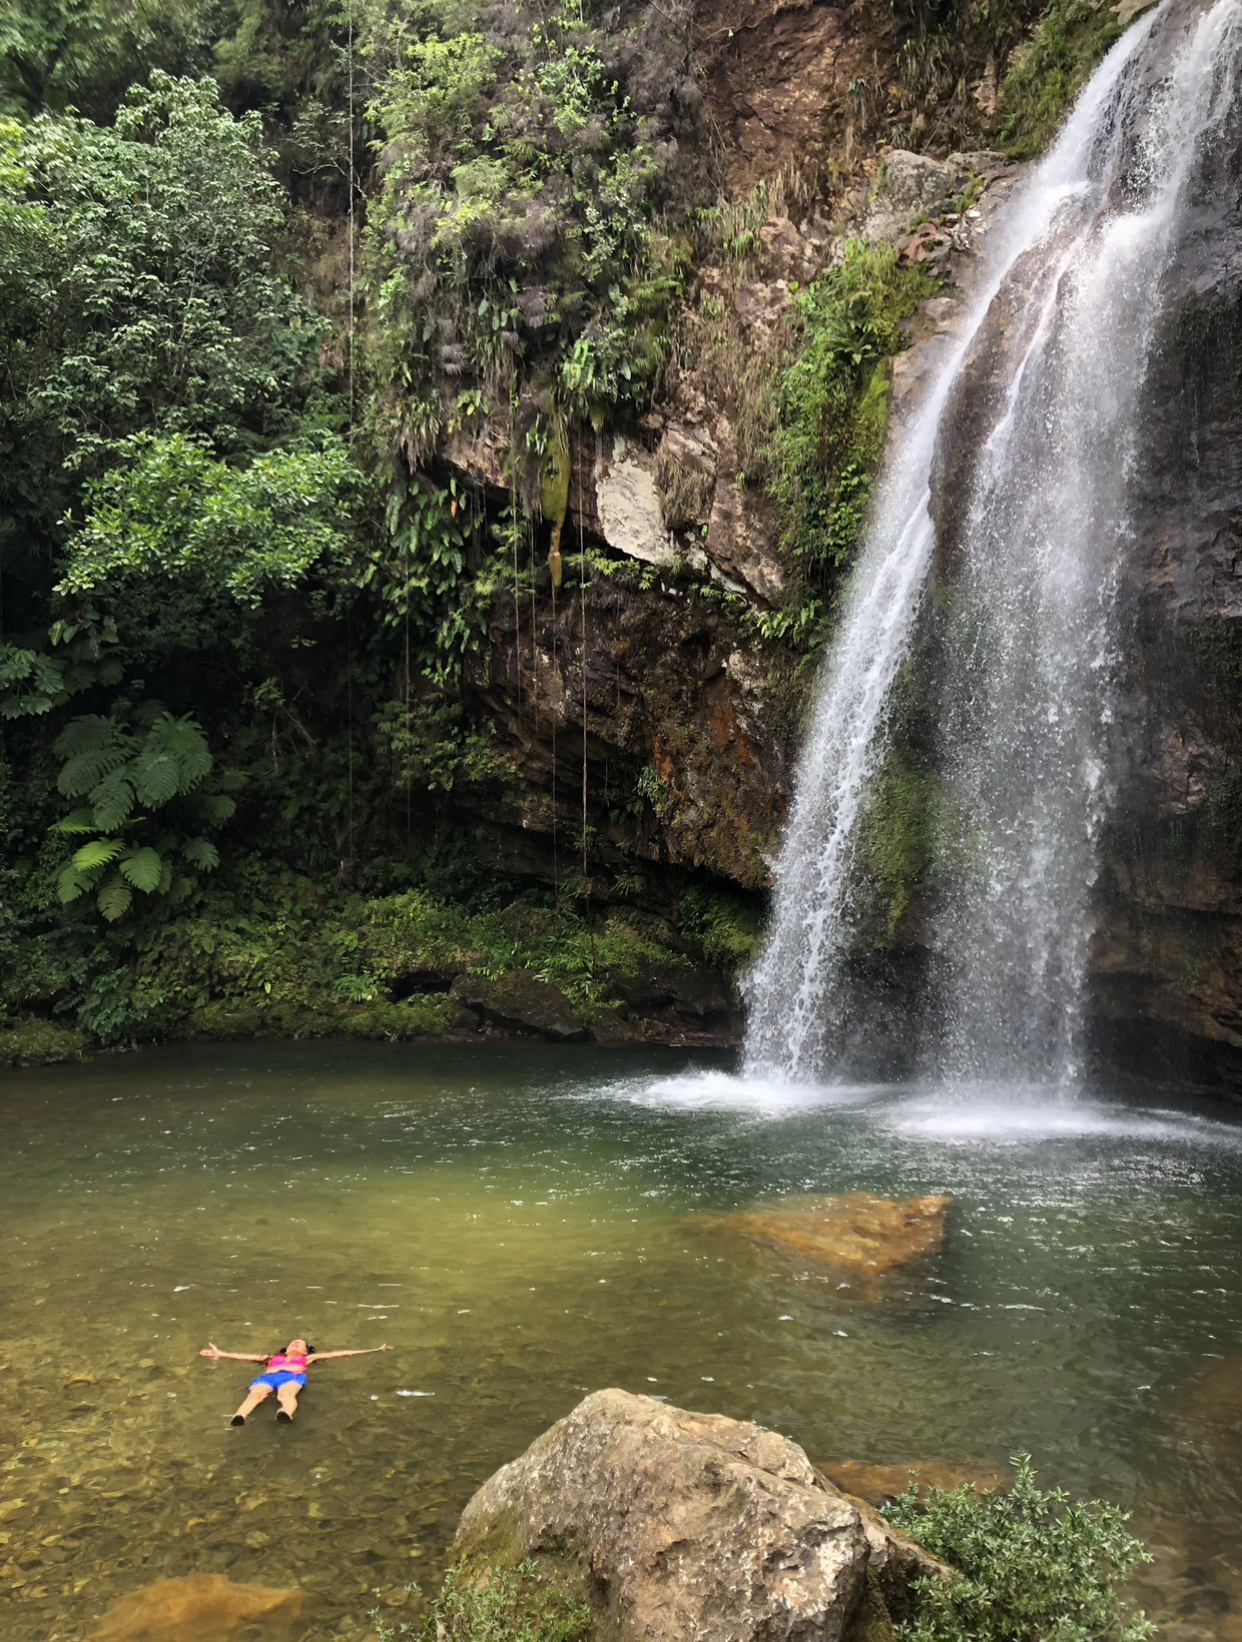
(683, 1525)
(521, 1000)
(34, 1042)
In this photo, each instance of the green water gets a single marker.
(527, 1225)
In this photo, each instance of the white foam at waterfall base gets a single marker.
(1029, 647)
(1017, 1113)
(762, 1096)
(986, 1115)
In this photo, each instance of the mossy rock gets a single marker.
(418, 1016)
(872, 1622)
(225, 1020)
(35, 1042)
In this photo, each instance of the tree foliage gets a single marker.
(181, 548)
(146, 301)
(57, 55)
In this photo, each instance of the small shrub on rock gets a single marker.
(1037, 1568)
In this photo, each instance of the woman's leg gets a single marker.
(254, 1397)
(287, 1397)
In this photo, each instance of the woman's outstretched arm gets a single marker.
(364, 1351)
(212, 1350)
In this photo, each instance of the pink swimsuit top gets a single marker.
(294, 1364)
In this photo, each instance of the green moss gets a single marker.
(897, 836)
(727, 929)
(34, 1042)
(872, 1622)
(286, 956)
(502, 1601)
(832, 403)
(414, 1018)
(1045, 76)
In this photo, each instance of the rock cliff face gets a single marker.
(651, 723)
(1168, 957)
(692, 717)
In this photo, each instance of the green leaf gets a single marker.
(143, 869)
(215, 808)
(70, 883)
(157, 778)
(97, 853)
(114, 898)
(78, 821)
(87, 769)
(113, 800)
(88, 734)
(181, 742)
(202, 853)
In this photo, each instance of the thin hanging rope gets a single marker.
(556, 871)
(582, 574)
(349, 728)
(534, 636)
(352, 191)
(405, 565)
(517, 610)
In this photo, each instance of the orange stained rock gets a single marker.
(878, 1483)
(204, 1608)
(872, 1235)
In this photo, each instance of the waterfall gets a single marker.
(1007, 490)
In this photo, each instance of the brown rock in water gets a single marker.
(204, 1608)
(878, 1483)
(682, 1525)
(853, 1231)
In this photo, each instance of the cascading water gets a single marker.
(1026, 444)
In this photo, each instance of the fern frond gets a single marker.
(114, 898)
(143, 869)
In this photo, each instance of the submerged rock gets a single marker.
(204, 1608)
(521, 999)
(871, 1236)
(878, 1483)
(683, 1525)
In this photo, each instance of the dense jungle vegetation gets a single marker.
(258, 263)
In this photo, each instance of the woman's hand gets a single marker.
(211, 1349)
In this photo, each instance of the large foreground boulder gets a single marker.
(679, 1525)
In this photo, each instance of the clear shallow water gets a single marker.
(524, 1226)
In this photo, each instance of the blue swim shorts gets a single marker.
(276, 1377)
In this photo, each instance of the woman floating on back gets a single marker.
(285, 1374)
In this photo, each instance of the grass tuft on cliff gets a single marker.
(832, 399)
(1046, 75)
(1036, 1566)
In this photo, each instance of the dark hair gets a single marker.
(310, 1350)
